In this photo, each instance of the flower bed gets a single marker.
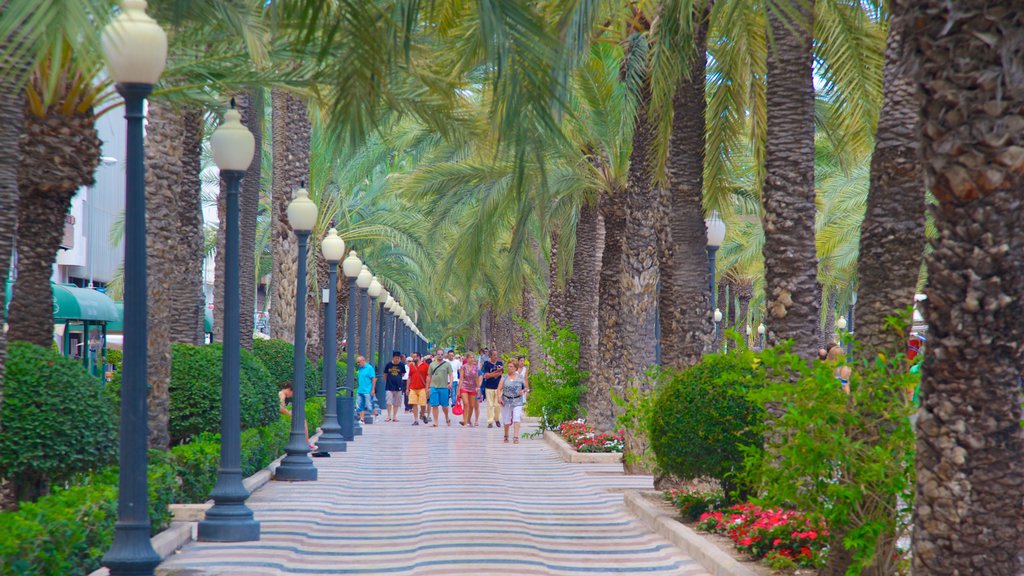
(584, 438)
(783, 538)
(692, 502)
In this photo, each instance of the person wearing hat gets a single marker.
(394, 385)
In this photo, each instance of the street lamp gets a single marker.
(230, 520)
(379, 295)
(363, 281)
(841, 323)
(760, 333)
(351, 267)
(718, 315)
(297, 466)
(372, 292)
(333, 248)
(716, 235)
(135, 48)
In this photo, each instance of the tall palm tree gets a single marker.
(187, 291)
(970, 444)
(251, 107)
(793, 294)
(892, 235)
(60, 150)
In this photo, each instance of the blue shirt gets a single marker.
(366, 374)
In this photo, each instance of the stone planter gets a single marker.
(569, 454)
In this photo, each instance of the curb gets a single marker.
(707, 554)
(569, 454)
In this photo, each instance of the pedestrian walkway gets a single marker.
(440, 501)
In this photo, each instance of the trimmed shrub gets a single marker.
(702, 418)
(57, 420)
(195, 391)
(114, 358)
(279, 358)
(261, 446)
(196, 462)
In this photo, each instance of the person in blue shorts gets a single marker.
(367, 382)
(440, 373)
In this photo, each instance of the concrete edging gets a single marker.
(569, 454)
(706, 553)
(187, 516)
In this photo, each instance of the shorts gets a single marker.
(365, 403)
(396, 398)
(440, 396)
(510, 414)
(417, 397)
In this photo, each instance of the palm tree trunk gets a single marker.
(291, 134)
(970, 444)
(790, 258)
(892, 235)
(165, 134)
(59, 154)
(558, 293)
(583, 289)
(314, 323)
(685, 304)
(11, 121)
(251, 107)
(219, 264)
(186, 321)
(828, 329)
(597, 398)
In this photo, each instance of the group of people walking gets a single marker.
(451, 385)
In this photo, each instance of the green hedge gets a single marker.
(279, 358)
(195, 391)
(114, 358)
(702, 418)
(57, 420)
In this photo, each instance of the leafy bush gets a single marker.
(847, 458)
(197, 461)
(58, 420)
(114, 358)
(701, 418)
(195, 391)
(279, 358)
(557, 383)
(692, 503)
(263, 445)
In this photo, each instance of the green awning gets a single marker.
(73, 303)
(118, 325)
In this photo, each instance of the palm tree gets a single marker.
(251, 106)
(892, 235)
(59, 153)
(970, 444)
(187, 290)
(793, 294)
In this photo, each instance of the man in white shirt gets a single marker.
(456, 365)
(405, 379)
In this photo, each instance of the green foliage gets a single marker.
(195, 391)
(636, 410)
(196, 462)
(57, 420)
(261, 446)
(691, 503)
(848, 459)
(114, 358)
(701, 418)
(557, 383)
(315, 408)
(279, 358)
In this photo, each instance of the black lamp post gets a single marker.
(351, 268)
(297, 466)
(383, 352)
(135, 48)
(716, 235)
(373, 292)
(331, 440)
(230, 520)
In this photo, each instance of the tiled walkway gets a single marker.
(424, 501)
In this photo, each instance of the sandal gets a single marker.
(506, 439)
(515, 440)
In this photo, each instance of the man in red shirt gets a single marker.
(416, 388)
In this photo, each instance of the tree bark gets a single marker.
(165, 135)
(892, 235)
(558, 292)
(685, 304)
(970, 444)
(828, 330)
(597, 398)
(187, 320)
(59, 154)
(583, 289)
(291, 135)
(11, 121)
(790, 257)
(251, 107)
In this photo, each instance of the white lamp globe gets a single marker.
(718, 315)
(841, 323)
(760, 328)
(389, 304)
(232, 143)
(382, 298)
(748, 330)
(364, 278)
(332, 246)
(375, 288)
(134, 45)
(352, 265)
(301, 211)
(716, 229)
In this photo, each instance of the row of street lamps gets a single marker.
(135, 48)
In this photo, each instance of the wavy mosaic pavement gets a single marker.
(427, 501)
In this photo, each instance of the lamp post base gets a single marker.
(131, 554)
(229, 525)
(357, 428)
(296, 467)
(368, 419)
(331, 441)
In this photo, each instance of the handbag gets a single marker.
(457, 409)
